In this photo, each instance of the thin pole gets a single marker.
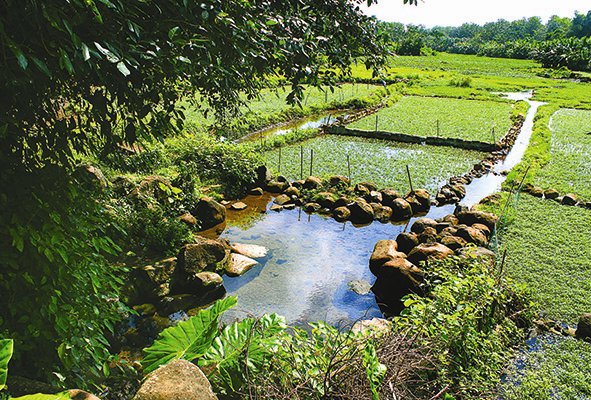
(493, 134)
(409, 179)
(280, 160)
(311, 160)
(376, 122)
(437, 128)
(349, 166)
(301, 162)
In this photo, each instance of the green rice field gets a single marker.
(484, 121)
(569, 168)
(374, 160)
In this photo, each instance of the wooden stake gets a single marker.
(280, 160)
(409, 179)
(301, 162)
(349, 166)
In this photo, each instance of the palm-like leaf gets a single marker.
(6, 347)
(187, 340)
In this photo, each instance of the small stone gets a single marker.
(257, 191)
(312, 207)
(276, 208)
(239, 265)
(312, 182)
(188, 219)
(584, 327)
(422, 223)
(282, 199)
(407, 241)
(569, 200)
(238, 206)
(341, 213)
(551, 194)
(360, 287)
(249, 250)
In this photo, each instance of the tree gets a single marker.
(83, 76)
(557, 27)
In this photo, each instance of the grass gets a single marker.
(271, 106)
(558, 369)
(465, 119)
(570, 154)
(374, 160)
(548, 251)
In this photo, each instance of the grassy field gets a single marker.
(273, 101)
(465, 119)
(557, 368)
(548, 250)
(373, 160)
(569, 168)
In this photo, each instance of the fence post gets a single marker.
(301, 162)
(409, 179)
(349, 167)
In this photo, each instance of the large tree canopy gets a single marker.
(84, 75)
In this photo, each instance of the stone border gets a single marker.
(569, 199)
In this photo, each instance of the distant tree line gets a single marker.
(561, 42)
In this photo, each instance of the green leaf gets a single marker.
(247, 343)
(20, 56)
(187, 340)
(39, 396)
(42, 66)
(123, 68)
(107, 53)
(374, 369)
(65, 62)
(6, 348)
(85, 52)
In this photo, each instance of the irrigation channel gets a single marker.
(314, 261)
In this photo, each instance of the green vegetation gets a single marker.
(458, 338)
(559, 368)
(374, 160)
(464, 119)
(570, 153)
(547, 250)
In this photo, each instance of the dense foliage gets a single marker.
(559, 42)
(85, 77)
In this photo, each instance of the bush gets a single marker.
(59, 290)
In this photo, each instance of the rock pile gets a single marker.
(397, 263)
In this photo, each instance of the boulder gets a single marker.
(453, 242)
(429, 251)
(381, 213)
(208, 279)
(452, 219)
(383, 251)
(361, 212)
(398, 278)
(407, 241)
(378, 326)
(90, 175)
(325, 199)
(275, 186)
(483, 228)
(339, 181)
(257, 191)
(177, 380)
(419, 200)
(312, 182)
(264, 175)
(341, 213)
(77, 394)
(472, 235)
(401, 209)
(584, 327)
(203, 255)
(292, 191)
(374, 197)
(449, 231)
(276, 208)
(238, 206)
(537, 191)
(471, 217)
(312, 207)
(188, 219)
(388, 196)
(477, 252)
(569, 200)
(249, 250)
(551, 194)
(429, 235)
(362, 190)
(422, 223)
(150, 282)
(360, 287)
(209, 213)
(153, 186)
(341, 202)
(239, 265)
(282, 199)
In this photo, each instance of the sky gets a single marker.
(455, 12)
